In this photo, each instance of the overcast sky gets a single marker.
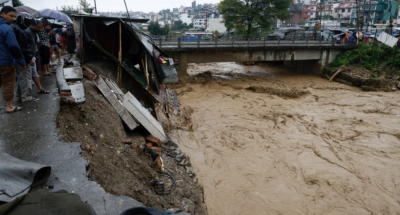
(117, 5)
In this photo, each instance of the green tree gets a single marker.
(17, 3)
(155, 29)
(216, 33)
(70, 9)
(179, 26)
(85, 6)
(243, 15)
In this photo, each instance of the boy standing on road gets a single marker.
(9, 54)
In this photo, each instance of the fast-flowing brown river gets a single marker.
(263, 140)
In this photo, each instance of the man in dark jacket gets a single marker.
(9, 54)
(24, 86)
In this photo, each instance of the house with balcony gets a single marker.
(367, 13)
(343, 11)
(309, 11)
(384, 10)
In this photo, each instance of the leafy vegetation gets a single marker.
(369, 56)
(249, 16)
(17, 3)
(70, 9)
(180, 26)
(155, 29)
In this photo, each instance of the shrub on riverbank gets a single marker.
(370, 56)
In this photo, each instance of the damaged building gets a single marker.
(118, 50)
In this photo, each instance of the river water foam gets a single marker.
(258, 147)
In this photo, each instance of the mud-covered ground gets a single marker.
(376, 80)
(263, 140)
(122, 169)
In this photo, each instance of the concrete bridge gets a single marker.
(302, 56)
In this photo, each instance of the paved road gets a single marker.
(32, 135)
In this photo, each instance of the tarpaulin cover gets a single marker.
(43, 202)
(18, 176)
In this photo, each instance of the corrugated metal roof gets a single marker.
(111, 18)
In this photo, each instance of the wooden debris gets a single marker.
(336, 73)
(115, 103)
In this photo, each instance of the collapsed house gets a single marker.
(140, 66)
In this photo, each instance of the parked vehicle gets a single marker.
(327, 35)
(303, 35)
(194, 36)
(280, 33)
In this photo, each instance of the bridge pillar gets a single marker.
(182, 66)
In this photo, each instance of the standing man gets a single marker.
(32, 41)
(45, 47)
(71, 38)
(54, 46)
(9, 54)
(23, 91)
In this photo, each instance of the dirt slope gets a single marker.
(119, 168)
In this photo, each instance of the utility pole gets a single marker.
(363, 14)
(320, 12)
(369, 15)
(95, 5)
(358, 15)
(391, 20)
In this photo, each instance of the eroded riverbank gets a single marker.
(273, 142)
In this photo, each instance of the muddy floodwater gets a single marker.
(263, 140)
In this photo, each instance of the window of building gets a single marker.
(348, 10)
(343, 10)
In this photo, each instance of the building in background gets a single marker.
(199, 23)
(367, 13)
(398, 18)
(216, 24)
(296, 14)
(385, 10)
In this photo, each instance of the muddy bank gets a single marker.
(331, 150)
(368, 80)
(123, 169)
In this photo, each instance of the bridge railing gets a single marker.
(179, 42)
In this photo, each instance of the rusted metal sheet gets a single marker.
(117, 104)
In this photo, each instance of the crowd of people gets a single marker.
(26, 45)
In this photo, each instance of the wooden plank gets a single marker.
(61, 82)
(144, 117)
(73, 74)
(117, 105)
